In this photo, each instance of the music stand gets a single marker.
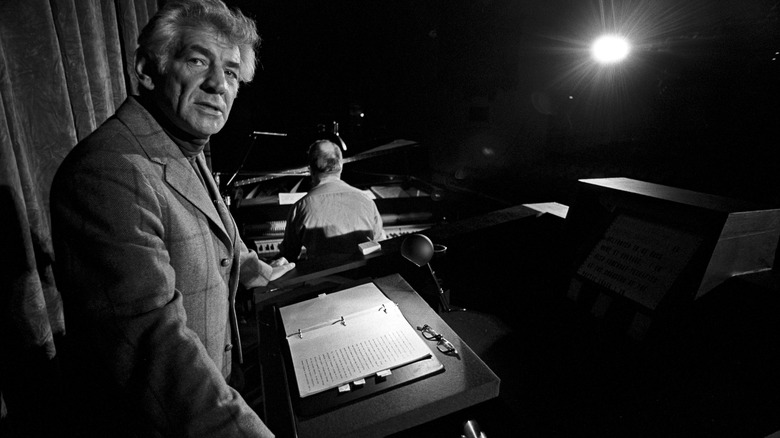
(418, 249)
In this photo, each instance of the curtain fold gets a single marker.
(65, 66)
(114, 58)
(23, 303)
(37, 119)
(67, 28)
(129, 28)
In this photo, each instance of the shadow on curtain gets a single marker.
(64, 68)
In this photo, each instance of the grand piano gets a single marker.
(395, 175)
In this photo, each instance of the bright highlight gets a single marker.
(610, 49)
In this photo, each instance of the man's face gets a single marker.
(200, 83)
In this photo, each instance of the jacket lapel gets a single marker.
(181, 177)
(178, 172)
(213, 190)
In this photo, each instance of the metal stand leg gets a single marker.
(445, 304)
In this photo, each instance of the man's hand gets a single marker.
(281, 261)
(280, 267)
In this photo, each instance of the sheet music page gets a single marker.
(290, 198)
(330, 351)
(639, 259)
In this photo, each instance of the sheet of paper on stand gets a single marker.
(346, 336)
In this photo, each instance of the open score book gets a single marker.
(345, 336)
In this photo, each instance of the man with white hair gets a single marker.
(148, 257)
(333, 218)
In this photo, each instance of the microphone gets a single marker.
(272, 134)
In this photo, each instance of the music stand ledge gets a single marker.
(466, 381)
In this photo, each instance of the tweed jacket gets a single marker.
(148, 262)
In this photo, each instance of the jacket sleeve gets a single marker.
(291, 245)
(113, 266)
(379, 228)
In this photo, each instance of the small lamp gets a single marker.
(418, 249)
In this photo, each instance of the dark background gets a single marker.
(507, 103)
(504, 96)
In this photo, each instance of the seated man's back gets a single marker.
(334, 217)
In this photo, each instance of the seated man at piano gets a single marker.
(333, 218)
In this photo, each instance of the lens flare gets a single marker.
(609, 49)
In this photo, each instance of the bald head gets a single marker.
(324, 158)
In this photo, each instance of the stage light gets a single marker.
(610, 49)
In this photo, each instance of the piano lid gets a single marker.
(388, 148)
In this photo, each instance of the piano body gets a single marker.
(391, 174)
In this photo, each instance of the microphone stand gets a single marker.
(253, 136)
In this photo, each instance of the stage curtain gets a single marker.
(64, 68)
